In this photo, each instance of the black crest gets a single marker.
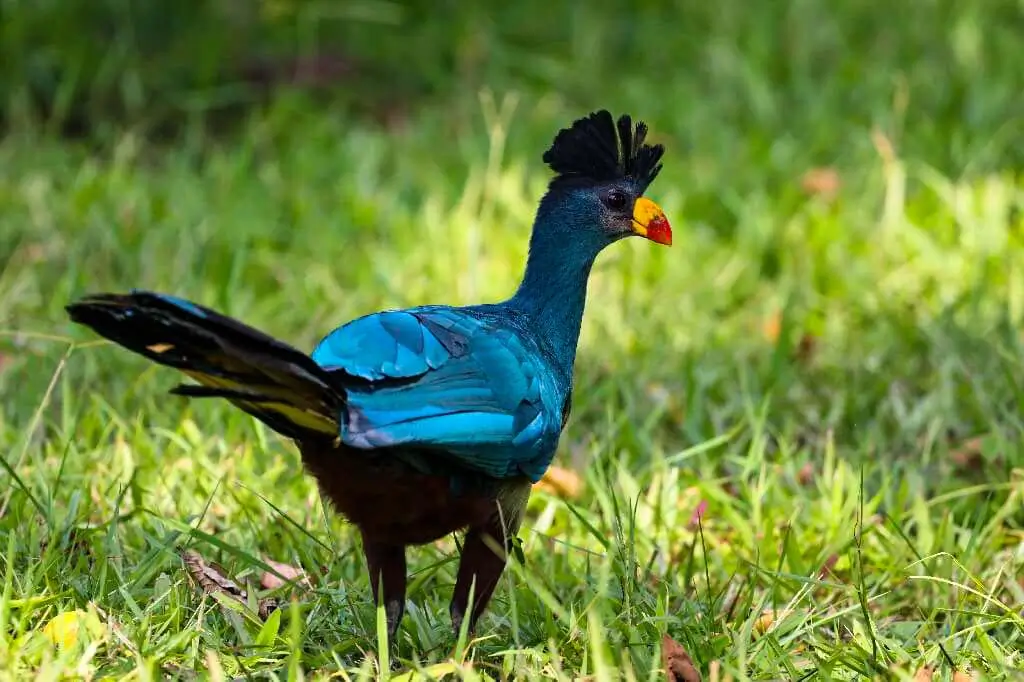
(598, 149)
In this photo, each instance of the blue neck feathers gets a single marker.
(553, 292)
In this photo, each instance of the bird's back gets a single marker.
(446, 388)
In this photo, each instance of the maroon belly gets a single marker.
(391, 502)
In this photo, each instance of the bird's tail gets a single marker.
(276, 383)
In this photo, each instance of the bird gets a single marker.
(421, 422)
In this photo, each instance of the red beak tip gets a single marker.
(660, 231)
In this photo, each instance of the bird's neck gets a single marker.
(553, 292)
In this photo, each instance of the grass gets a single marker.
(798, 430)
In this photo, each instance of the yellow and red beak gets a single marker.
(649, 221)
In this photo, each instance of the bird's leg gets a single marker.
(484, 553)
(386, 566)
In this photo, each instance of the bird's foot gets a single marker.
(458, 617)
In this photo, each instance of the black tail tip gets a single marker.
(97, 309)
(75, 310)
(80, 311)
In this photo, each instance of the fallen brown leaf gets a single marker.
(677, 663)
(823, 182)
(805, 347)
(964, 676)
(562, 482)
(969, 454)
(923, 674)
(212, 579)
(290, 574)
(806, 474)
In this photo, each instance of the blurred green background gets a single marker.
(942, 70)
(838, 318)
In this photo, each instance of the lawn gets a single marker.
(796, 446)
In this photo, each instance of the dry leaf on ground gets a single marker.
(923, 674)
(822, 181)
(969, 453)
(805, 347)
(291, 574)
(213, 579)
(806, 474)
(562, 482)
(678, 665)
(210, 577)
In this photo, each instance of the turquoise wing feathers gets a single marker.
(453, 380)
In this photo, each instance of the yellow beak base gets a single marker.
(649, 222)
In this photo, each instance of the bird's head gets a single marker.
(602, 169)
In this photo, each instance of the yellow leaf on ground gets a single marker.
(437, 671)
(565, 483)
(66, 629)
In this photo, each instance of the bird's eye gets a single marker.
(615, 200)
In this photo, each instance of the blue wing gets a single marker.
(447, 379)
